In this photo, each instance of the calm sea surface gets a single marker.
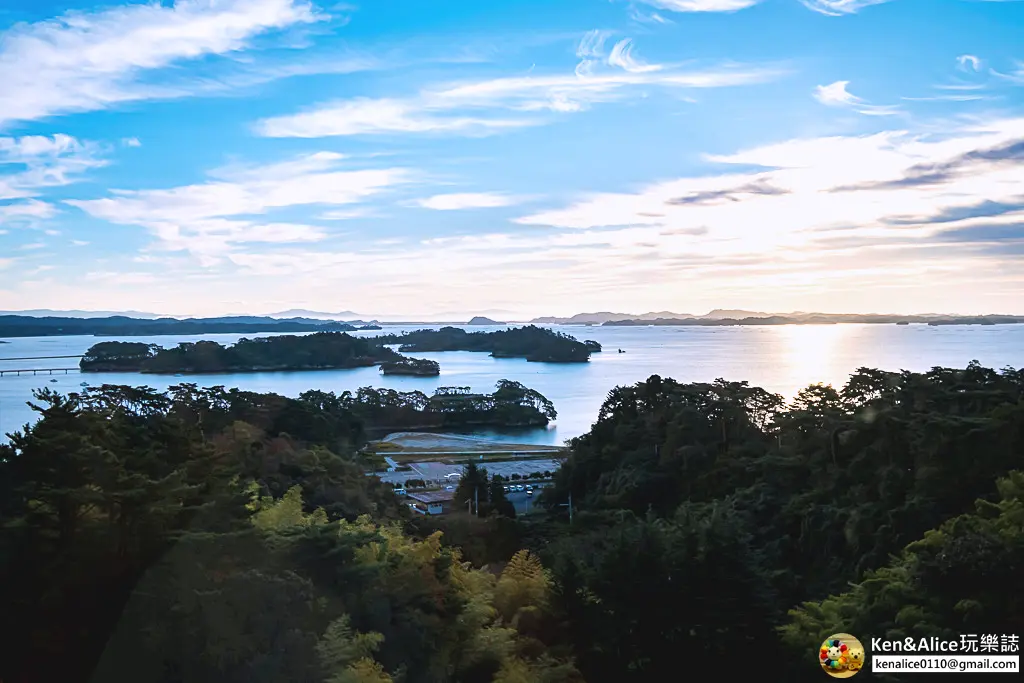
(782, 359)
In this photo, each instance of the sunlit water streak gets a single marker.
(782, 359)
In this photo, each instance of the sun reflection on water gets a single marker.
(810, 354)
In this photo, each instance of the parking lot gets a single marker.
(436, 471)
(523, 503)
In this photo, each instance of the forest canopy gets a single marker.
(218, 535)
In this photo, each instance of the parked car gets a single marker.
(506, 489)
(519, 487)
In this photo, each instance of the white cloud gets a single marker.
(205, 219)
(479, 107)
(590, 50)
(947, 98)
(454, 202)
(131, 142)
(622, 57)
(1016, 76)
(361, 116)
(88, 61)
(38, 161)
(346, 214)
(836, 95)
(79, 243)
(30, 208)
(702, 5)
(837, 8)
(864, 190)
(968, 63)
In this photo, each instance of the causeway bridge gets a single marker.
(37, 371)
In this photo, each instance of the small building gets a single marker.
(431, 502)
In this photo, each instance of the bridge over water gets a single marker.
(36, 371)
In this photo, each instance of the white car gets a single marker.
(519, 487)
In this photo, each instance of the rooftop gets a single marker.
(433, 496)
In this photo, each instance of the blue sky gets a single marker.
(523, 158)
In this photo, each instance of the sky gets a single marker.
(516, 158)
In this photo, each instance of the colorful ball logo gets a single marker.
(841, 655)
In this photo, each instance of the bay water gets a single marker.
(781, 359)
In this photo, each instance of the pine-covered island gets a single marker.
(319, 351)
(536, 344)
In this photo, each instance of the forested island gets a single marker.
(533, 343)
(319, 351)
(412, 366)
(212, 535)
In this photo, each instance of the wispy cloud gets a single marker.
(455, 202)
(590, 51)
(346, 214)
(701, 5)
(88, 61)
(968, 63)
(622, 57)
(1016, 76)
(836, 95)
(32, 162)
(486, 106)
(876, 187)
(131, 142)
(837, 8)
(29, 211)
(947, 98)
(207, 219)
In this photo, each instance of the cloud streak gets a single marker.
(875, 190)
(487, 106)
(838, 8)
(836, 95)
(701, 5)
(968, 63)
(90, 61)
(32, 163)
(209, 220)
(456, 202)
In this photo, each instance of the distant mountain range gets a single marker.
(603, 317)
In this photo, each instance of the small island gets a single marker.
(481, 320)
(319, 351)
(371, 326)
(535, 344)
(417, 367)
